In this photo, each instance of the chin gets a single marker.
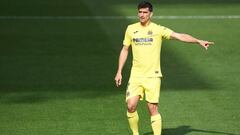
(142, 21)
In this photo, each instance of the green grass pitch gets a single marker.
(56, 75)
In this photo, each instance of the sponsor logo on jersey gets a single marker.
(143, 41)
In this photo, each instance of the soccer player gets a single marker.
(145, 38)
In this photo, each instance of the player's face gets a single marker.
(144, 15)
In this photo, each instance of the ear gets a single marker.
(151, 14)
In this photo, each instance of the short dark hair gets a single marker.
(145, 4)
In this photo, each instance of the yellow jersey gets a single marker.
(146, 45)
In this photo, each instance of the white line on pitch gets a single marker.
(114, 17)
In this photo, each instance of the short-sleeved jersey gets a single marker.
(146, 45)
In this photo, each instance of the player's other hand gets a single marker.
(205, 44)
(118, 79)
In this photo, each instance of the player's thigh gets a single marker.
(134, 89)
(152, 89)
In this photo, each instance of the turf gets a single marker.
(56, 76)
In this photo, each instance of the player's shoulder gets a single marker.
(137, 24)
(162, 28)
(158, 26)
(134, 25)
(155, 24)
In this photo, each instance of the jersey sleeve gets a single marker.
(127, 38)
(166, 32)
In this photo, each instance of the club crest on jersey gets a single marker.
(150, 32)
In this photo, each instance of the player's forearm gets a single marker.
(122, 59)
(187, 38)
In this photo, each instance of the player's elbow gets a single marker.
(125, 49)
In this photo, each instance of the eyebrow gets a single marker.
(142, 11)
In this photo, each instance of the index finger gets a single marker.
(211, 43)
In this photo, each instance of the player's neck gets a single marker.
(145, 24)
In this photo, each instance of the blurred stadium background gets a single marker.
(58, 59)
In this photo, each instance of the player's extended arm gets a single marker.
(189, 39)
(122, 59)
